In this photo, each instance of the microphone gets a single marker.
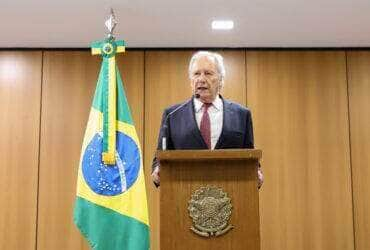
(165, 124)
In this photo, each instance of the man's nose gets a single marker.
(202, 77)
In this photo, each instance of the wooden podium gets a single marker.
(185, 171)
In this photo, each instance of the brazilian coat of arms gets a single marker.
(210, 208)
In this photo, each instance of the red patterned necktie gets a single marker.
(205, 125)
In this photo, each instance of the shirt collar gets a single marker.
(217, 103)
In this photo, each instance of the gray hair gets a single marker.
(217, 58)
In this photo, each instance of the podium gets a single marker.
(209, 199)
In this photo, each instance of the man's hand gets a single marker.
(155, 175)
(260, 177)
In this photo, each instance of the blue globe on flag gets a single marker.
(110, 180)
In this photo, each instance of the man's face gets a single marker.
(205, 79)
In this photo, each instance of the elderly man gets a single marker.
(207, 120)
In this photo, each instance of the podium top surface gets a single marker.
(219, 154)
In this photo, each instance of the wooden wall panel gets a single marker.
(235, 82)
(299, 105)
(20, 88)
(359, 103)
(68, 87)
(131, 66)
(167, 83)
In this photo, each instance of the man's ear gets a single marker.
(220, 85)
(221, 80)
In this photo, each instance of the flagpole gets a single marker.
(110, 112)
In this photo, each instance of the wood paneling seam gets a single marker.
(350, 152)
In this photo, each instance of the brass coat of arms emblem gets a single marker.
(210, 208)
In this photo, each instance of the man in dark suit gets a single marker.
(207, 120)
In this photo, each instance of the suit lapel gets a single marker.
(227, 118)
(193, 126)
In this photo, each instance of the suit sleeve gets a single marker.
(249, 135)
(155, 162)
(249, 140)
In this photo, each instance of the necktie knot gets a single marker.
(206, 106)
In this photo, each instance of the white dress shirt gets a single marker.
(216, 117)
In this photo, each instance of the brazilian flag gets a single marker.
(111, 206)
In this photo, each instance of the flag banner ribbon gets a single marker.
(108, 49)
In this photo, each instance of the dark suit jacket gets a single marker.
(183, 132)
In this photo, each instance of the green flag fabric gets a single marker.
(111, 205)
